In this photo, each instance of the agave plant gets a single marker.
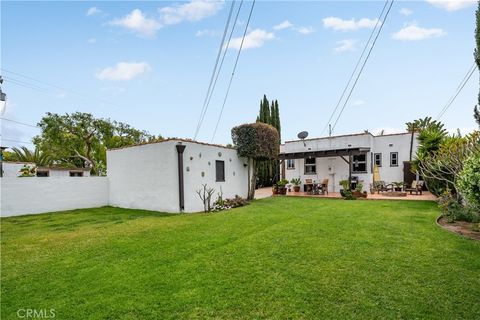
(26, 155)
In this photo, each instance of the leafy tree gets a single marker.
(40, 158)
(476, 115)
(82, 140)
(257, 142)
(469, 180)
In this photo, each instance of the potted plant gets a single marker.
(345, 187)
(281, 186)
(358, 191)
(296, 184)
(397, 186)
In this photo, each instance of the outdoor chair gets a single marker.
(309, 186)
(381, 186)
(324, 186)
(416, 187)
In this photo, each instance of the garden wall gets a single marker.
(21, 196)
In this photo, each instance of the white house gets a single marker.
(12, 169)
(165, 175)
(332, 157)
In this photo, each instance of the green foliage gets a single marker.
(469, 180)
(40, 158)
(345, 184)
(476, 115)
(28, 171)
(476, 55)
(453, 210)
(296, 181)
(82, 140)
(282, 183)
(257, 141)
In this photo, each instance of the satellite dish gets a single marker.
(302, 135)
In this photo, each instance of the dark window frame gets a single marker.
(361, 162)
(391, 159)
(311, 165)
(217, 178)
(76, 173)
(43, 171)
(375, 159)
(291, 167)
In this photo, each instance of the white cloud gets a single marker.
(406, 11)
(415, 33)
(92, 40)
(254, 39)
(349, 25)
(194, 10)
(123, 71)
(93, 11)
(138, 23)
(345, 45)
(207, 33)
(305, 30)
(452, 5)
(284, 25)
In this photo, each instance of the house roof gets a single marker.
(323, 153)
(350, 135)
(174, 139)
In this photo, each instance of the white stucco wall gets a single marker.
(336, 169)
(146, 176)
(31, 195)
(12, 169)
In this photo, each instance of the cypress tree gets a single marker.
(277, 120)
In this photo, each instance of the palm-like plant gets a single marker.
(26, 155)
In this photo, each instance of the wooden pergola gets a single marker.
(345, 153)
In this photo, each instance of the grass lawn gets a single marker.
(278, 258)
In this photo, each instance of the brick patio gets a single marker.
(267, 192)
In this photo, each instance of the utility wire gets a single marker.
(457, 92)
(79, 94)
(355, 69)
(21, 123)
(19, 141)
(363, 65)
(224, 54)
(204, 107)
(233, 72)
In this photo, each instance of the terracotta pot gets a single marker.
(296, 188)
(282, 190)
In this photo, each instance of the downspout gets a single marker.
(181, 189)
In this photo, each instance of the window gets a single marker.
(220, 170)
(310, 166)
(290, 164)
(393, 159)
(377, 157)
(76, 174)
(359, 163)
(42, 173)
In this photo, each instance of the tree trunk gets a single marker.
(253, 178)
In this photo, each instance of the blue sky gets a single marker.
(149, 64)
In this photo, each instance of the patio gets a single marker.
(267, 192)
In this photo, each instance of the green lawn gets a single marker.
(278, 258)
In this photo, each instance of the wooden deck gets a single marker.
(267, 192)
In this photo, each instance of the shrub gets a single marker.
(469, 180)
(296, 181)
(453, 210)
(226, 204)
(28, 171)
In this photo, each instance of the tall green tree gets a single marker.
(82, 140)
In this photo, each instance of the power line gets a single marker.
(355, 69)
(18, 141)
(223, 57)
(457, 92)
(79, 94)
(21, 123)
(204, 107)
(363, 65)
(233, 72)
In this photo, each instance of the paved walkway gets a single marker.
(267, 192)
